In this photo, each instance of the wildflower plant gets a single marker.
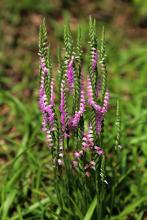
(73, 122)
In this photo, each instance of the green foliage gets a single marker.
(68, 41)
(35, 5)
(43, 44)
(91, 209)
(141, 6)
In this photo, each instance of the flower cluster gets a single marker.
(74, 102)
(65, 128)
(45, 107)
(88, 150)
(100, 110)
(70, 73)
(74, 120)
(94, 58)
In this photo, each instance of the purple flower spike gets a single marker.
(42, 99)
(106, 101)
(89, 91)
(99, 150)
(45, 107)
(99, 119)
(70, 74)
(99, 110)
(98, 89)
(43, 66)
(50, 114)
(103, 110)
(91, 101)
(87, 140)
(74, 121)
(77, 154)
(47, 111)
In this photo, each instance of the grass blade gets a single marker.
(91, 209)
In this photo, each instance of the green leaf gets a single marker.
(33, 207)
(77, 210)
(7, 203)
(130, 208)
(91, 209)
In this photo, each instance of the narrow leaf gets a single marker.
(91, 209)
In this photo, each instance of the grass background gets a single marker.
(26, 189)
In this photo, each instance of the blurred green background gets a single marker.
(25, 171)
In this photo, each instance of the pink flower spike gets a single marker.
(85, 145)
(99, 150)
(98, 88)
(77, 154)
(43, 66)
(70, 74)
(106, 101)
(75, 163)
(89, 92)
(99, 119)
(91, 101)
(74, 120)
